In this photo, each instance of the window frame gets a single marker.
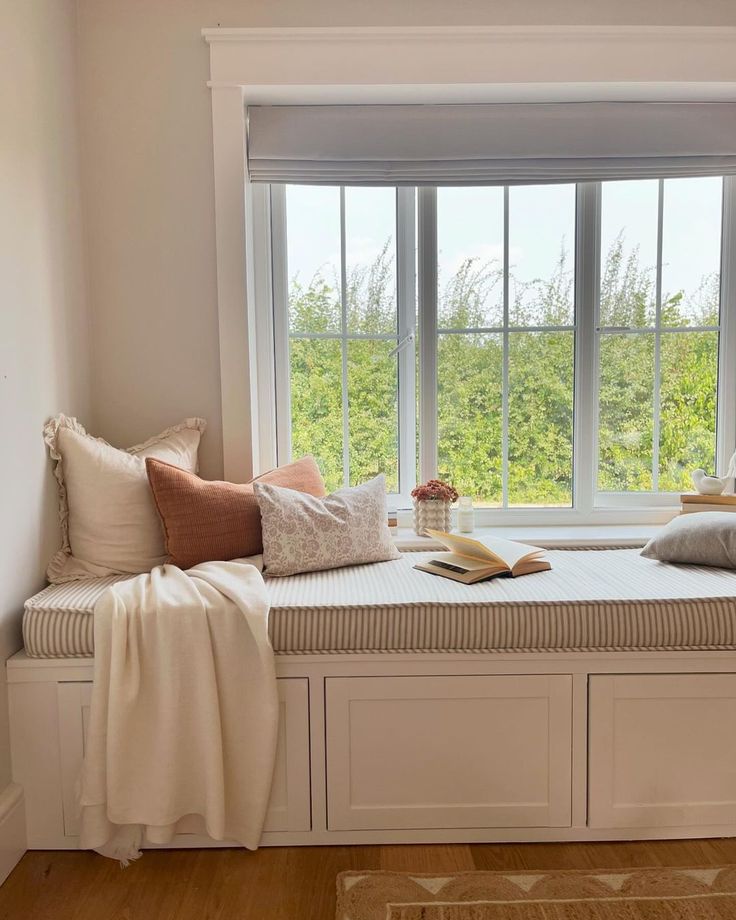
(417, 241)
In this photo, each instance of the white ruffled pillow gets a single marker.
(302, 533)
(109, 522)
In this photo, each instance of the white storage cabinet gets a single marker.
(444, 747)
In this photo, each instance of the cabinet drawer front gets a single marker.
(444, 752)
(289, 808)
(662, 750)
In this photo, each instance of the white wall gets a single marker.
(147, 166)
(43, 317)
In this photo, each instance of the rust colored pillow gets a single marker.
(206, 521)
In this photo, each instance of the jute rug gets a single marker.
(636, 894)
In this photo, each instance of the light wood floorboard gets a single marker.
(288, 883)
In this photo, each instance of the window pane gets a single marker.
(541, 255)
(370, 259)
(629, 252)
(469, 407)
(540, 418)
(626, 412)
(373, 412)
(313, 253)
(691, 251)
(689, 374)
(316, 405)
(470, 257)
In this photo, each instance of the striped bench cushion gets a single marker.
(599, 600)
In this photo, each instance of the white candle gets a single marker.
(465, 514)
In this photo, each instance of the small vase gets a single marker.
(431, 515)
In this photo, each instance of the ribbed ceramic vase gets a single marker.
(431, 514)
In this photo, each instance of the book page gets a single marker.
(490, 549)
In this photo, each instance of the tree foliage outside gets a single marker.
(540, 380)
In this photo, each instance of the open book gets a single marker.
(471, 560)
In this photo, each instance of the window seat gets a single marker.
(610, 599)
(587, 703)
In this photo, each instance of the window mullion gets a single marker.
(587, 308)
(505, 366)
(427, 237)
(280, 294)
(264, 404)
(406, 312)
(656, 398)
(344, 344)
(726, 438)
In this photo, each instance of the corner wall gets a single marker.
(43, 316)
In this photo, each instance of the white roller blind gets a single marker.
(489, 144)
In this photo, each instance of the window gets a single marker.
(551, 349)
(505, 343)
(345, 316)
(658, 333)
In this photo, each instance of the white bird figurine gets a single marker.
(707, 485)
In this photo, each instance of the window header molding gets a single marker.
(379, 56)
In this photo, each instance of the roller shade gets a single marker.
(494, 144)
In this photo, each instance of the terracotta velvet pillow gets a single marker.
(205, 521)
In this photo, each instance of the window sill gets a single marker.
(620, 535)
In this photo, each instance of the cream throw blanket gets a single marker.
(184, 717)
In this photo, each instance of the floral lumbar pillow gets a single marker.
(109, 522)
(303, 533)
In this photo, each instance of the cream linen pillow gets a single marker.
(302, 533)
(109, 522)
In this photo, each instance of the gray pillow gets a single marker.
(704, 538)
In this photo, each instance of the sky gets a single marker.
(541, 222)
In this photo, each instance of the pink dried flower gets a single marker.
(435, 490)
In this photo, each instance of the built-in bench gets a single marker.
(595, 701)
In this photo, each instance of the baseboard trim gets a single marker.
(12, 828)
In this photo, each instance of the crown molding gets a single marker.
(473, 34)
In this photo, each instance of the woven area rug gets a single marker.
(635, 894)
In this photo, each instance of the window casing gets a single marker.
(415, 346)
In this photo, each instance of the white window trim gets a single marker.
(427, 291)
(398, 65)
(406, 279)
(280, 444)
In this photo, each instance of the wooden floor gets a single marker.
(289, 883)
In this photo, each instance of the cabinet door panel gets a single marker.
(662, 750)
(289, 807)
(444, 752)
